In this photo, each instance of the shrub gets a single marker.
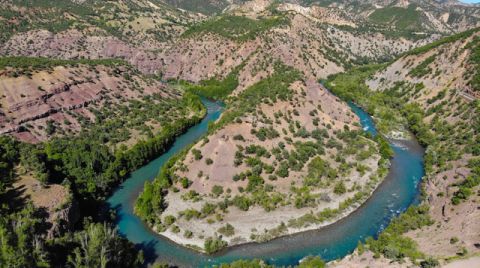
(242, 202)
(238, 137)
(312, 262)
(197, 154)
(169, 220)
(217, 190)
(208, 209)
(340, 188)
(188, 234)
(392, 244)
(227, 230)
(185, 182)
(213, 245)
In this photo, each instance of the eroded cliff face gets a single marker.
(60, 208)
(444, 76)
(64, 96)
(317, 40)
(442, 79)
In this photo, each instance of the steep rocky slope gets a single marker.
(434, 92)
(412, 18)
(443, 80)
(62, 99)
(318, 40)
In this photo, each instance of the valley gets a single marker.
(288, 129)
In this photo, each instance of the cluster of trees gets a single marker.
(422, 69)
(239, 28)
(440, 42)
(21, 62)
(475, 61)
(100, 246)
(8, 157)
(308, 262)
(20, 233)
(91, 167)
(23, 230)
(149, 204)
(392, 244)
(214, 88)
(214, 244)
(274, 87)
(465, 188)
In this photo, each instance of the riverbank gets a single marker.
(257, 225)
(334, 241)
(280, 169)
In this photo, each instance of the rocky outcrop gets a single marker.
(63, 218)
(64, 93)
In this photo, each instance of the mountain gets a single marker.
(317, 35)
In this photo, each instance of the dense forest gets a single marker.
(91, 169)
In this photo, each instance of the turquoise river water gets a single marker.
(398, 191)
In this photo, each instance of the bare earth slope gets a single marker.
(66, 98)
(446, 74)
(442, 81)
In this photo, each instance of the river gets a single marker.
(395, 194)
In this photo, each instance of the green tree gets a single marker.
(312, 262)
(21, 244)
(100, 246)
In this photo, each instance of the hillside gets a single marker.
(433, 91)
(61, 99)
(72, 130)
(320, 40)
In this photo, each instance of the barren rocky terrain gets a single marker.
(64, 97)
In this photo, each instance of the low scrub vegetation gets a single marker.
(237, 28)
(392, 244)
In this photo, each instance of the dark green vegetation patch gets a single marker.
(402, 18)
(43, 63)
(237, 28)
